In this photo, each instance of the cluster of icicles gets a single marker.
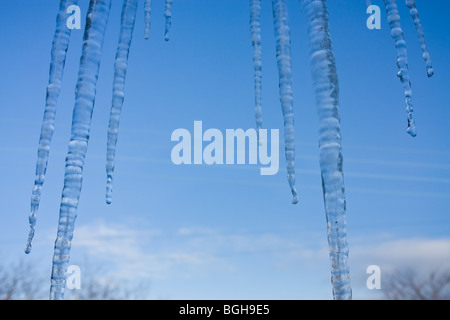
(327, 98)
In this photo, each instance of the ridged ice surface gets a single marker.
(57, 63)
(255, 32)
(147, 13)
(97, 19)
(411, 4)
(326, 88)
(168, 16)
(120, 72)
(283, 53)
(402, 60)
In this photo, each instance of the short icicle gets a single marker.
(411, 4)
(402, 60)
(168, 16)
(96, 21)
(255, 32)
(147, 13)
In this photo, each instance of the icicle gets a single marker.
(123, 49)
(283, 48)
(411, 4)
(402, 60)
(58, 60)
(168, 15)
(255, 30)
(327, 98)
(147, 12)
(96, 21)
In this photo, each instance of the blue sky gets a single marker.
(226, 232)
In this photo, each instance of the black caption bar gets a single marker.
(224, 309)
(185, 309)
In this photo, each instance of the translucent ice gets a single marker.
(147, 12)
(96, 21)
(402, 60)
(120, 71)
(326, 88)
(255, 31)
(57, 63)
(283, 52)
(168, 16)
(411, 4)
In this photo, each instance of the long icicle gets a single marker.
(411, 4)
(168, 16)
(57, 63)
(120, 66)
(96, 21)
(283, 49)
(147, 13)
(402, 60)
(326, 88)
(255, 32)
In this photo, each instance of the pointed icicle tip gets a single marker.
(411, 130)
(430, 72)
(109, 190)
(32, 223)
(295, 199)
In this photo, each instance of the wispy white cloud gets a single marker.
(193, 251)
(419, 253)
(133, 252)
